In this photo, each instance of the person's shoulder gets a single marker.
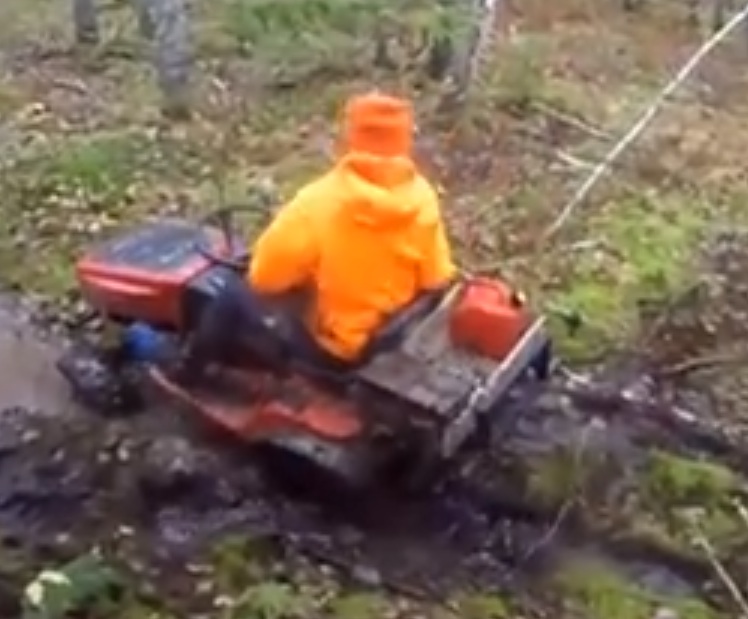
(427, 197)
(309, 196)
(316, 191)
(424, 186)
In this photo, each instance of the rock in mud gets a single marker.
(15, 431)
(367, 576)
(171, 465)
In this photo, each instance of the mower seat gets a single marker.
(388, 337)
(283, 314)
(396, 327)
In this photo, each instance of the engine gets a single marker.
(155, 274)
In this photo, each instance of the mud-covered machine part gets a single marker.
(437, 380)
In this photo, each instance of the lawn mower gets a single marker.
(432, 380)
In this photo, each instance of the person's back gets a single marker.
(367, 237)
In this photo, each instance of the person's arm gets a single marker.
(284, 256)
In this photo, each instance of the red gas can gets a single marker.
(489, 319)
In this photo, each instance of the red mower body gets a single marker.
(142, 275)
(253, 406)
(450, 366)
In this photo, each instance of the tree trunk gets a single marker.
(172, 53)
(85, 22)
(146, 27)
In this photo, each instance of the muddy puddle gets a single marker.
(27, 374)
(71, 481)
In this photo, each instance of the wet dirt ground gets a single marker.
(27, 373)
(71, 480)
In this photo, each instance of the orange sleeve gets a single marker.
(286, 252)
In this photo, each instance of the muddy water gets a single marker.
(28, 376)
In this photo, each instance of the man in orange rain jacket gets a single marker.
(365, 239)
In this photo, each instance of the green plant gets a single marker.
(85, 583)
(269, 600)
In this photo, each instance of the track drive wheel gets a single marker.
(97, 383)
(422, 466)
(309, 465)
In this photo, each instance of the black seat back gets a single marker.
(396, 327)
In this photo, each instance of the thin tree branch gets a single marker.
(702, 542)
(649, 114)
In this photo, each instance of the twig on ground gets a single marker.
(569, 503)
(643, 122)
(703, 543)
(76, 86)
(672, 305)
(742, 511)
(695, 364)
(572, 161)
(573, 121)
(344, 566)
(537, 141)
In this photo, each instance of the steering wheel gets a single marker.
(227, 248)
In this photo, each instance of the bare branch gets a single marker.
(703, 543)
(646, 118)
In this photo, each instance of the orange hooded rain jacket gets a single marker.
(367, 237)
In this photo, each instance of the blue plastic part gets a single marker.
(143, 344)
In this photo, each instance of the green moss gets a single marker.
(555, 478)
(237, 561)
(598, 593)
(684, 493)
(694, 609)
(682, 481)
(357, 606)
(596, 590)
(483, 606)
(568, 474)
(641, 250)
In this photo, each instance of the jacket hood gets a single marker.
(379, 192)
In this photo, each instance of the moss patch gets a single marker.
(688, 497)
(483, 606)
(358, 606)
(597, 591)
(639, 251)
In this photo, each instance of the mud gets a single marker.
(28, 377)
(155, 492)
(70, 482)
